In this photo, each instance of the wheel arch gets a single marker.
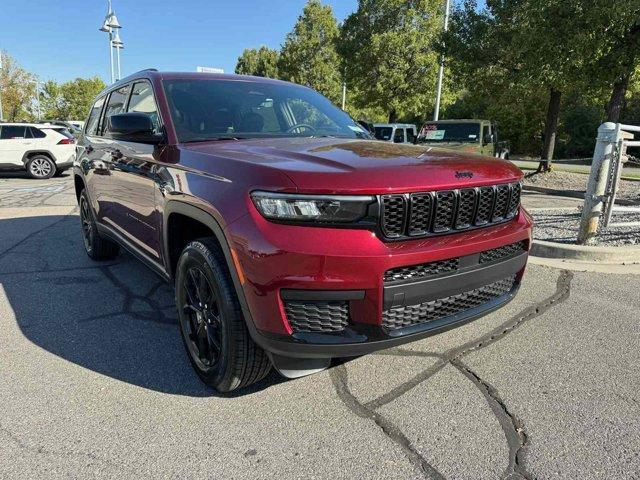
(178, 209)
(30, 153)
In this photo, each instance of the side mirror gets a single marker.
(488, 139)
(132, 127)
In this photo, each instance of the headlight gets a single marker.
(311, 208)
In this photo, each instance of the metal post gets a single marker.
(344, 95)
(118, 57)
(436, 113)
(111, 57)
(1, 115)
(38, 112)
(608, 134)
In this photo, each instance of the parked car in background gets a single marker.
(469, 136)
(40, 150)
(291, 236)
(74, 127)
(395, 132)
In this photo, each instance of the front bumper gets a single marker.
(280, 265)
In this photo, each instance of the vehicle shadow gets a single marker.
(115, 318)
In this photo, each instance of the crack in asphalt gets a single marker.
(339, 377)
(155, 313)
(40, 450)
(513, 428)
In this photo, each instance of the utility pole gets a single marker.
(111, 26)
(344, 94)
(1, 116)
(38, 111)
(436, 113)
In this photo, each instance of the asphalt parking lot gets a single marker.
(94, 380)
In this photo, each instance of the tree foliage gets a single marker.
(389, 56)
(261, 62)
(70, 100)
(309, 55)
(17, 89)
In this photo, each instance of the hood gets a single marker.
(330, 165)
(468, 147)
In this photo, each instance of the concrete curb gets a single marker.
(586, 253)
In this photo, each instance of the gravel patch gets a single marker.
(628, 190)
(562, 226)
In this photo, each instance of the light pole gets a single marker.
(436, 113)
(38, 111)
(111, 26)
(118, 45)
(1, 116)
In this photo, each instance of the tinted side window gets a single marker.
(485, 133)
(410, 135)
(94, 117)
(36, 133)
(143, 101)
(117, 103)
(12, 131)
(398, 137)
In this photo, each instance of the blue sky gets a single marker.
(59, 40)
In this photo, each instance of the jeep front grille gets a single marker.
(446, 211)
(401, 317)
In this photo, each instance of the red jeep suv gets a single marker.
(290, 235)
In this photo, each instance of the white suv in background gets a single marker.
(41, 150)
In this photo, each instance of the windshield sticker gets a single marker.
(473, 136)
(435, 135)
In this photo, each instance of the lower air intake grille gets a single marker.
(419, 271)
(444, 307)
(502, 252)
(317, 316)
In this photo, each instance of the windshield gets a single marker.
(233, 109)
(383, 133)
(450, 132)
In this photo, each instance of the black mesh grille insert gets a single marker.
(466, 208)
(514, 201)
(502, 202)
(394, 211)
(444, 307)
(485, 205)
(428, 213)
(502, 252)
(445, 207)
(421, 271)
(317, 316)
(421, 206)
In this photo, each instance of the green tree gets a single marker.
(531, 44)
(261, 62)
(309, 55)
(17, 89)
(78, 96)
(611, 48)
(51, 101)
(389, 55)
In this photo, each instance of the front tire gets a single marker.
(41, 167)
(213, 328)
(97, 247)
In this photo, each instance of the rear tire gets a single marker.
(41, 167)
(97, 247)
(213, 327)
